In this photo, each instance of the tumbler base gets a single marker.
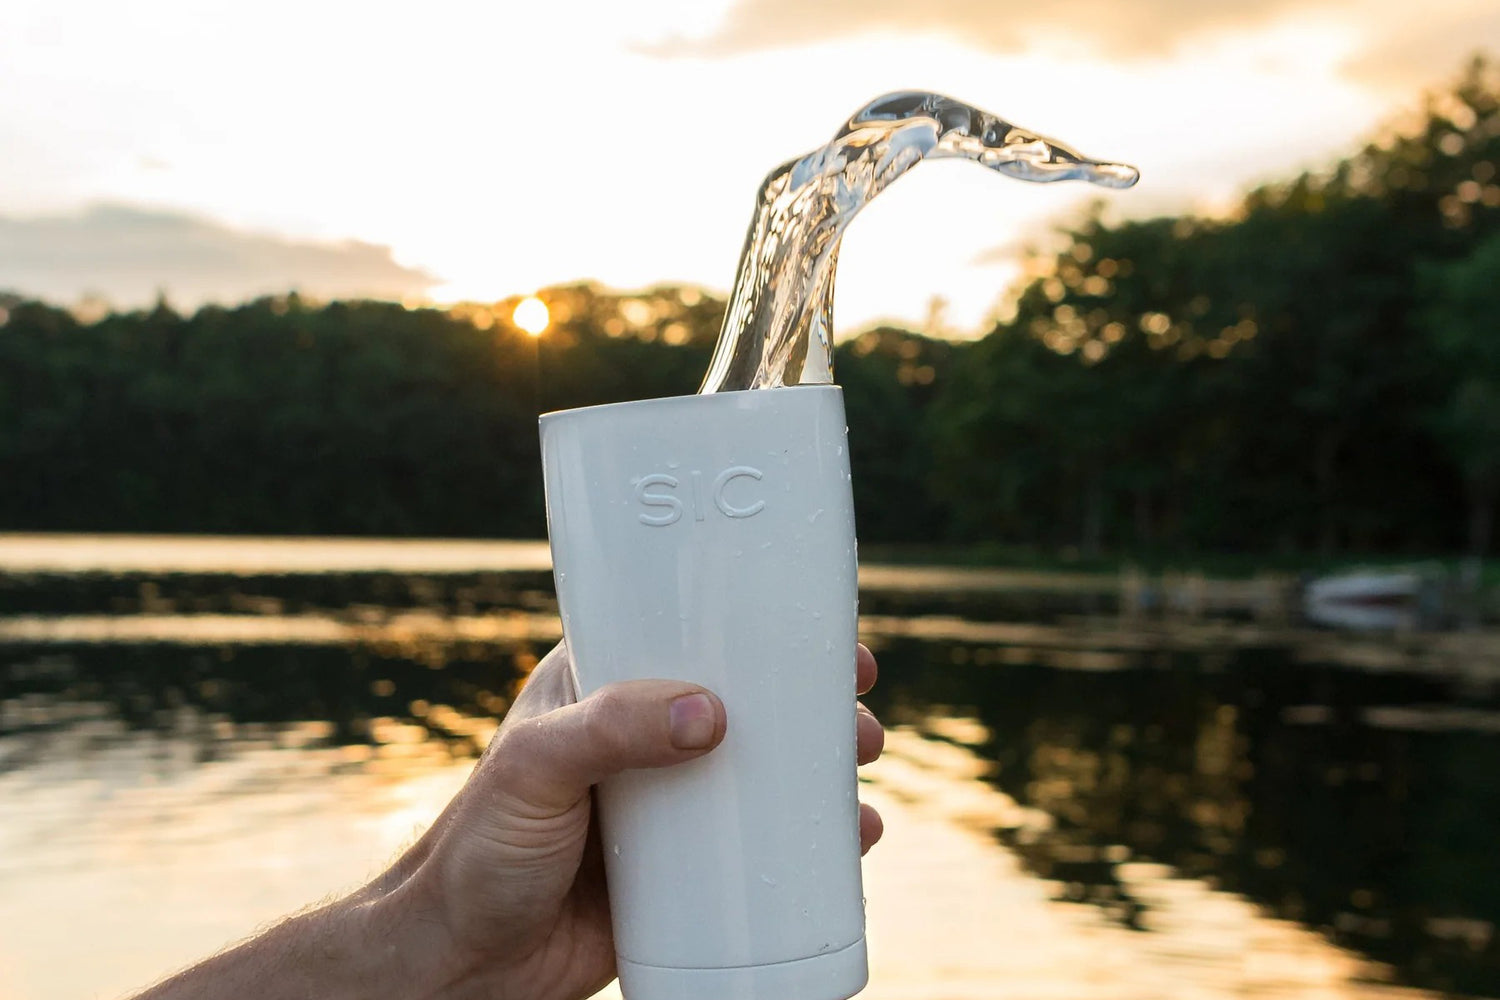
(835, 975)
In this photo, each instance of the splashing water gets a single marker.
(779, 327)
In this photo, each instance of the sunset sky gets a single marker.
(478, 150)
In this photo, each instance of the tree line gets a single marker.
(1318, 371)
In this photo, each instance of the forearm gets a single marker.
(364, 947)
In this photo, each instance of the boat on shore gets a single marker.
(1395, 599)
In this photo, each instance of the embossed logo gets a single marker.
(660, 490)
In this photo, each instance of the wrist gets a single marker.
(412, 953)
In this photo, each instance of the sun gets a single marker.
(531, 315)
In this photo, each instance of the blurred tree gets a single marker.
(1255, 382)
(1462, 324)
(890, 377)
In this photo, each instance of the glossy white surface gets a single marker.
(837, 974)
(711, 538)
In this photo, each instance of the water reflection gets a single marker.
(1360, 803)
(451, 689)
(1190, 806)
(126, 852)
(973, 922)
(248, 555)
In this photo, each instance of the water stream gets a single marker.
(778, 329)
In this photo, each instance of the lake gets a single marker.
(1086, 795)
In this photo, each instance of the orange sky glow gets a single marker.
(476, 151)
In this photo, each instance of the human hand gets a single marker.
(505, 896)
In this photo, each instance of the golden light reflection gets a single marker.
(959, 918)
(531, 315)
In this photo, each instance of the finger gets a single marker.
(871, 826)
(869, 735)
(865, 670)
(549, 762)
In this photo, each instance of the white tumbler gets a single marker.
(710, 539)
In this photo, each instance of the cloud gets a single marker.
(1427, 49)
(1140, 28)
(1405, 46)
(127, 255)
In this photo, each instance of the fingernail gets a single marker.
(693, 722)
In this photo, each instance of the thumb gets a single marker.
(550, 761)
